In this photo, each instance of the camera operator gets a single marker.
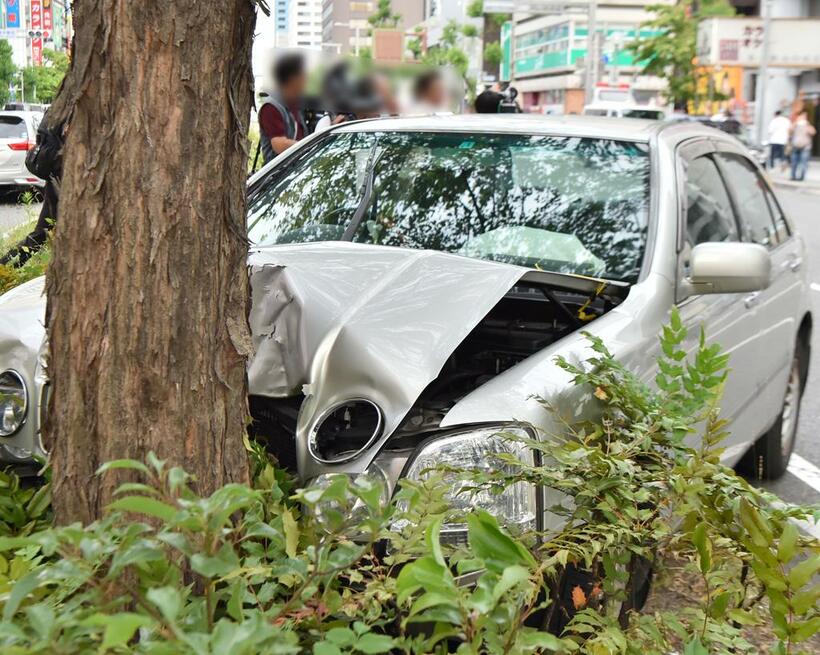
(495, 102)
(350, 99)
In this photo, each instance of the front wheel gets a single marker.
(769, 458)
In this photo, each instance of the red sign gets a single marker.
(37, 26)
(48, 18)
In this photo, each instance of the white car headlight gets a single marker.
(13, 403)
(478, 450)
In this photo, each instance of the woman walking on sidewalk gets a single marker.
(801, 137)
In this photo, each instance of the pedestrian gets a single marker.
(779, 129)
(430, 93)
(802, 135)
(45, 161)
(488, 102)
(281, 116)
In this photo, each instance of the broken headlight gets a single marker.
(479, 450)
(13, 402)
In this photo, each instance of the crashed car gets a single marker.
(414, 280)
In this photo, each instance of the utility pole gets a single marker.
(763, 72)
(592, 52)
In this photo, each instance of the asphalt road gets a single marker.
(802, 483)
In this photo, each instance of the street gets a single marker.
(802, 483)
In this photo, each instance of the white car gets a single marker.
(414, 280)
(18, 135)
(623, 110)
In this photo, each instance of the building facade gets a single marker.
(547, 57)
(32, 26)
(304, 24)
(346, 29)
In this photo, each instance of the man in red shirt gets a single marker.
(281, 121)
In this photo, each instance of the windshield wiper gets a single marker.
(367, 193)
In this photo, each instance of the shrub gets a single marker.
(333, 569)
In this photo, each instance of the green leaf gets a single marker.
(497, 549)
(144, 505)
(787, 547)
(372, 643)
(119, 628)
(510, 578)
(704, 547)
(129, 464)
(167, 599)
(216, 566)
(326, 648)
(806, 630)
(803, 572)
(695, 647)
(291, 529)
(341, 636)
(21, 590)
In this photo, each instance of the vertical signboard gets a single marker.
(506, 51)
(12, 13)
(36, 32)
(48, 19)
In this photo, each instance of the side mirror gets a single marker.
(729, 268)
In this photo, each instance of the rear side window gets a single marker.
(749, 191)
(709, 214)
(13, 127)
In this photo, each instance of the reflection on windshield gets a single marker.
(563, 204)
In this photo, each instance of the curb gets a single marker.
(811, 187)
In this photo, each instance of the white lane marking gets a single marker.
(808, 473)
(815, 286)
(805, 470)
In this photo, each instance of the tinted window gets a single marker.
(13, 127)
(573, 205)
(749, 191)
(709, 214)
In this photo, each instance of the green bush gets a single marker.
(10, 276)
(334, 569)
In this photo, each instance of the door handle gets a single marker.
(751, 300)
(794, 264)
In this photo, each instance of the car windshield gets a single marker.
(563, 204)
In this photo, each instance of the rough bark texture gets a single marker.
(148, 289)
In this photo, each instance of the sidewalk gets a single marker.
(810, 185)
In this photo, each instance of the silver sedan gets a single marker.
(415, 279)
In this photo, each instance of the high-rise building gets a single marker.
(304, 24)
(345, 25)
(548, 56)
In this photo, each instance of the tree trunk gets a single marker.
(148, 288)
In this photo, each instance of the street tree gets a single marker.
(148, 287)
(42, 82)
(670, 52)
(384, 16)
(7, 70)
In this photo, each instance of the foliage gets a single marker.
(10, 276)
(671, 52)
(384, 16)
(333, 569)
(475, 9)
(493, 54)
(41, 82)
(7, 70)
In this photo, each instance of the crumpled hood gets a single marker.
(347, 321)
(22, 315)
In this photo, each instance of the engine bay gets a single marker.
(529, 318)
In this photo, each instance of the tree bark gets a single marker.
(148, 287)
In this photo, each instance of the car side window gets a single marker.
(709, 213)
(780, 224)
(749, 191)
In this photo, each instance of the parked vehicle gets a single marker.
(18, 135)
(623, 110)
(414, 280)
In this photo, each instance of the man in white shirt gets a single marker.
(779, 129)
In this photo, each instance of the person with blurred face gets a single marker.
(429, 91)
(281, 121)
(801, 138)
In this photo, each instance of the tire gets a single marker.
(769, 458)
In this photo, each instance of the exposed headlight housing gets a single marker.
(13, 402)
(478, 450)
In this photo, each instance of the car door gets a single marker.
(708, 215)
(777, 307)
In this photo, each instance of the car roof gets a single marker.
(593, 126)
(628, 129)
